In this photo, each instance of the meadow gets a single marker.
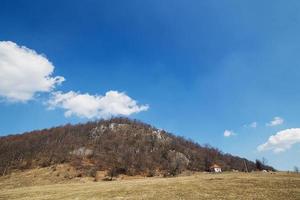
(243, 186)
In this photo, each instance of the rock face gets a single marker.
(97, 131)
(82, 151)
(178, 162)
(179, 158)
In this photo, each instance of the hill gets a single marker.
(118, 146)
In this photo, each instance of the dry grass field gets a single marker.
(197, 186)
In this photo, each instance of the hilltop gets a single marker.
(116, 146)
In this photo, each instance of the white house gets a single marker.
(215, 168)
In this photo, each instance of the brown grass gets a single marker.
(198, 186)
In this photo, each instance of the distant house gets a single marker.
(215, 168)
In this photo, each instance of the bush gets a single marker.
(92, 172)
(150, 173)
(111, 173)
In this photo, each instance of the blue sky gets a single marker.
(194, 68)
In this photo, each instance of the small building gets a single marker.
(215, 168)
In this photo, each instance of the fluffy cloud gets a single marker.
(251, 125)
(276, 121)
(23, 73)
(228, 133)
(95, 106)
(281, 141)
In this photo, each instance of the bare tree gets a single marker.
(259, 165)
(264, 161)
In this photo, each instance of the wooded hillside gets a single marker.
(119, 145)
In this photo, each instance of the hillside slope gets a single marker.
(119, 145)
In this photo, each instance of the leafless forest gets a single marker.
(118, 145)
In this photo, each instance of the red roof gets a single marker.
(215, 166)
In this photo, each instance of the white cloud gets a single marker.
(276, 121)
(251, 125)
(95, 106)
(228, 133)
(23, 73)
(281, 141)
